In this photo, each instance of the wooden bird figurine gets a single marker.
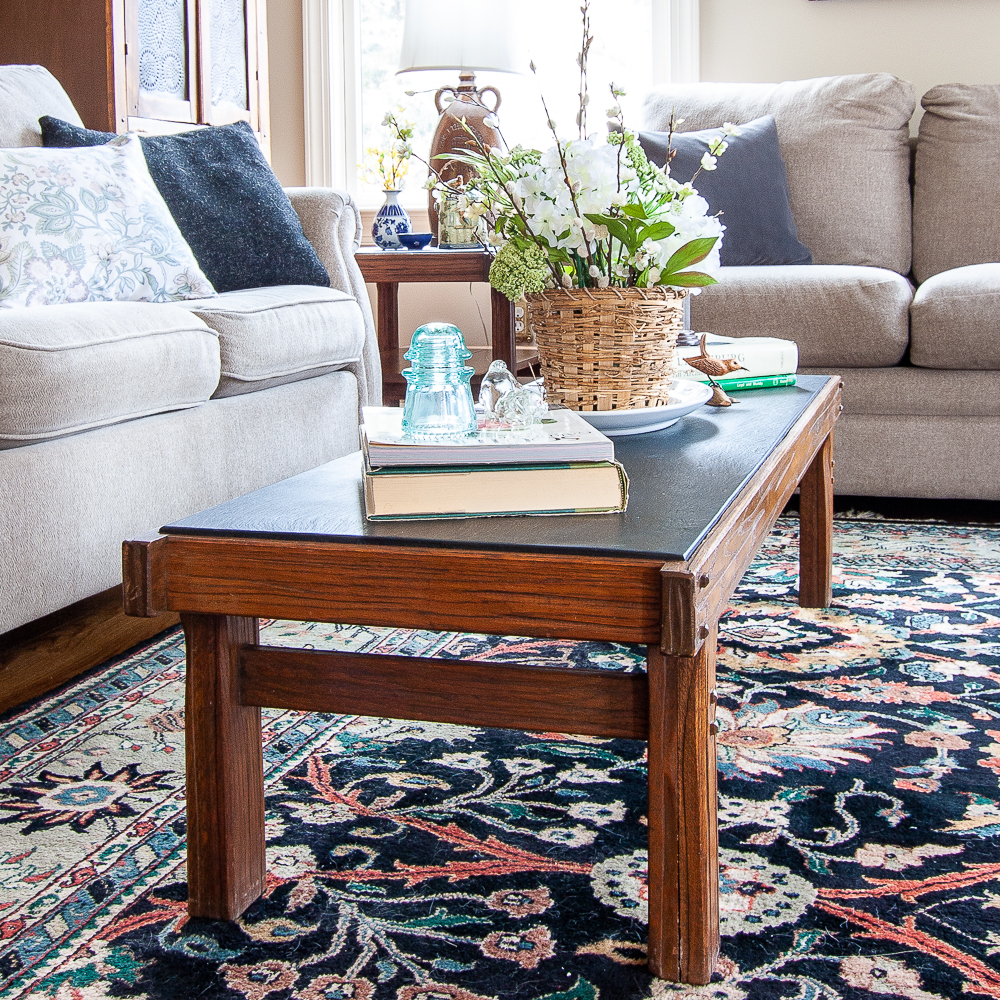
(714, 368)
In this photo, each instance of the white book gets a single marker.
(564, 437)
(758, 355)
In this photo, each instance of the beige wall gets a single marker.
(284, 63)
(925, 41)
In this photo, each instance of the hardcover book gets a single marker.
(760, 356)
(564, 436)
(495, 490)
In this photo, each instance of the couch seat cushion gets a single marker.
(272, 335)
(855, 317)
(905, 391)
(845, 143)
(68, 368)
(955, 319)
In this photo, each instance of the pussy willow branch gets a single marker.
(585, 43)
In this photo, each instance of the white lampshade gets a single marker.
(477, 35)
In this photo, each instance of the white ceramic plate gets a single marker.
(685, 396)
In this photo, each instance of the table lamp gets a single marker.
(475, 36)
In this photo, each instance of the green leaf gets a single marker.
(618, 230)
(634, 211)
(688, 279)
(656, 231)
(690, 253)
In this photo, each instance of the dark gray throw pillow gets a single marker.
(226, 201)
(748, 186)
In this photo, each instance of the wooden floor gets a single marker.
(46, 653)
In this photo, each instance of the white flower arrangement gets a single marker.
(595, 212)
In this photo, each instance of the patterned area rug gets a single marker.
(860, 822)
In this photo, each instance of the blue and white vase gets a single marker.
(390, 220)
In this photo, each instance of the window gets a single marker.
(352, 50)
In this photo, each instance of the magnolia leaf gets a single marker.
(690, 253)
(619, 231)
(634, 211)
(656, 231)
(688, 279)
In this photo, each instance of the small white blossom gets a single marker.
(730, 129)
(708, 161)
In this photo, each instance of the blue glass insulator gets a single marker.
(438, 400)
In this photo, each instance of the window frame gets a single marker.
(331, 65)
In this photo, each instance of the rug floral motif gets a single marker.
(859, 757)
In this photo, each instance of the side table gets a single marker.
(387, 269)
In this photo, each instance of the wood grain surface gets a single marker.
(697, 590)
(39, 656)
(225, 771)
(504, 593)
(816, 530)
(143, 573)
(683, 880)
(605, 703)
(430, 265)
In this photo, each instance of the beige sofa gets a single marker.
(116, 418)
(903, 297)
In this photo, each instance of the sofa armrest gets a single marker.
(332, 224)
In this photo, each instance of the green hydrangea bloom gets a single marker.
(519, 270)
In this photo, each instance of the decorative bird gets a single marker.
(716, 367)
(497, 382)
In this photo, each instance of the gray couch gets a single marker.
(118, 417)
(903, 298)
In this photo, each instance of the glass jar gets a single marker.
(455, 231)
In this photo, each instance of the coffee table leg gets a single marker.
(683, 816)
(816, 530)
(225, 771)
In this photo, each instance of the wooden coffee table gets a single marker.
(704, 494)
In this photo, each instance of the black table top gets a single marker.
(681, 480)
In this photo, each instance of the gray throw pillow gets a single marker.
(226, 201)
(748, 186)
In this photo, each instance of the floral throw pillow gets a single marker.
(88, 225)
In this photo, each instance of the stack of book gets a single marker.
(563, 466)
(768, 361)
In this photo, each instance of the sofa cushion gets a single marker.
(269, 336)
(855, 317)
(748, 187)
(956, 211)
(68, 368)
(27, 93)
(226, 201)
(844, 140)
(85, 225)
(916, 392)
(955, 319)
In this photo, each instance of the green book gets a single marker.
(760, 382)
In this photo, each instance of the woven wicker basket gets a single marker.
(607, 348)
